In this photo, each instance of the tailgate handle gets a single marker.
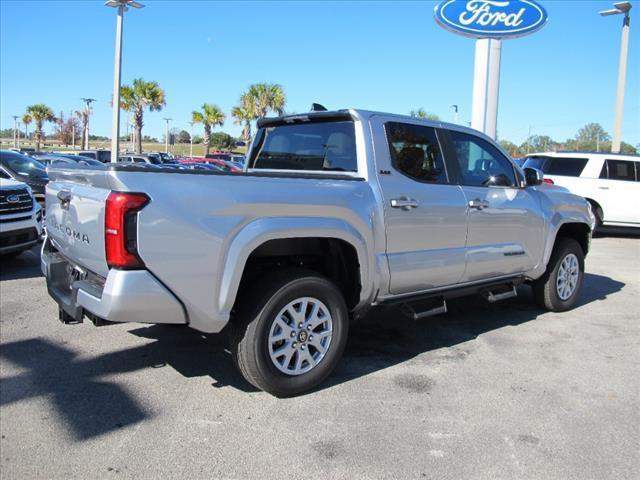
(65, 197)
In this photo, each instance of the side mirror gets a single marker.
(533, 176)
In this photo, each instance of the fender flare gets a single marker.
(255, 233)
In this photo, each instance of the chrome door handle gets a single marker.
(603, 188)
(405, 203)
(478, 204)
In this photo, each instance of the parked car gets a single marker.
(202, 166)
(139, 158)
(337, 212)
(48, 159)
(608, 181)
(24, 151)
(20, 218)
(102, 155)
(216, 159)
(24, 169)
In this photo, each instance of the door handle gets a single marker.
(603, 188)
(478, 204)
(405, 203)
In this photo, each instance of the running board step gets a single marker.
(496, 297)
(419, 310)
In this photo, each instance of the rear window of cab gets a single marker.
(314, 146)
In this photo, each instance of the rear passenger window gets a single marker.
(481, 164)
(415, 152)
(569, 167)
(619, 170)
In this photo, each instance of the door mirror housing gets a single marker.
(533, 176)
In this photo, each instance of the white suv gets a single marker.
(610, 182)
(20, 218)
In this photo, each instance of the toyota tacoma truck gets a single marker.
(334, 213)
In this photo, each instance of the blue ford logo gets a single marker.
(491, 18)
(13, 199)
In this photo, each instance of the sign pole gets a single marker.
(493, 88)
(480, 77)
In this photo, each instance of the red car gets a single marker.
(217, 161)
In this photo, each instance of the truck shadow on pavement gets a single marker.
(90, 406)
(386, 337)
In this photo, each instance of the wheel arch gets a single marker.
(342, 247)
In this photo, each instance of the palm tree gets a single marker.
(422, 114)
(39, 113)
(262, 98)
(243, 115)
(83, 116)
(26, 119)
(136, 98)
(209, 116)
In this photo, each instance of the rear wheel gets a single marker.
(289, 332)
(558, 289)
(598, 213)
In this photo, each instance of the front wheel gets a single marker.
(289, 332)
(558, 289)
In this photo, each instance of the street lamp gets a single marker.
(121, 5)
(15, 129)
(87, 112)
(455, 113)
(191, 141)
(620, 8)
(166, 134)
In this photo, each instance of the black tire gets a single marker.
(255, 315)
(545, 289)
(598, 213)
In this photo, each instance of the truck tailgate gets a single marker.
(75, 218)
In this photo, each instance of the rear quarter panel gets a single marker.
(198, 230)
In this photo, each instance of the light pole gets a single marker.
(455, 113)
(191, 141)
(166, 134)
(121, 5)
(87, 112)
(15, 129)
(620, 8)
(133, 136)
(18, 134)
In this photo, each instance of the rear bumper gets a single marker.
(124, 296)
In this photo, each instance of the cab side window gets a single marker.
(481, 164)
(415, 152)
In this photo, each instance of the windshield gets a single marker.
(319, 146)
(23, 165)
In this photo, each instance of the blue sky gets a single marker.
(388, 56)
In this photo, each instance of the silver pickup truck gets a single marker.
(336, 212)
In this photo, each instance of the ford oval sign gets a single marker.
(498, 19)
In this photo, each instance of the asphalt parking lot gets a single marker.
(486, 391)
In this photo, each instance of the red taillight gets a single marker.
(120, 229)
(548, 181)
